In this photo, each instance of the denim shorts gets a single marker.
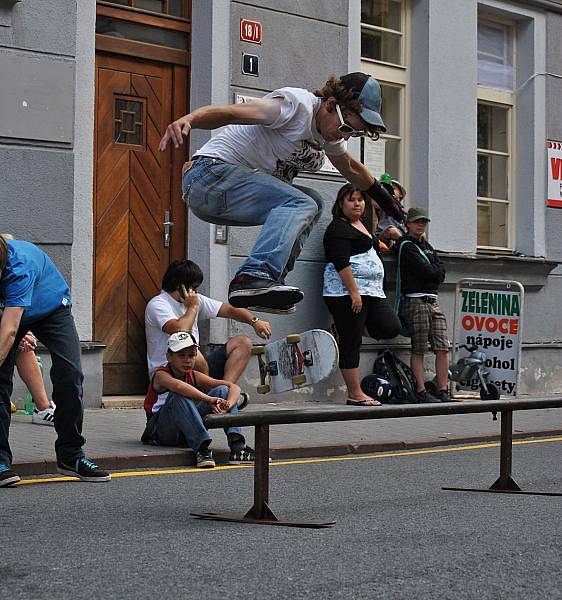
(216, 359)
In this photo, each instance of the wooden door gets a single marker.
(137, 188)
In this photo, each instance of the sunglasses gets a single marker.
(346, 128)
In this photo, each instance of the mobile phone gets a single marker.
(182, 291)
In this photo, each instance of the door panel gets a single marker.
(132, 193)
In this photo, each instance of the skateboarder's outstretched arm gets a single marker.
(358, 174)
(256, 112)
(242, 315)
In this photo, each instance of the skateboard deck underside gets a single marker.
(317, 347)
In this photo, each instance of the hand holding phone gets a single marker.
(189, 297)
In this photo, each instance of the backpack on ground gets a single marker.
(400, 376)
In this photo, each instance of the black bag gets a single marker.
(400, 376)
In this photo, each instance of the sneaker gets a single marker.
(443, 396)
(204, 459)
(244, 455)
(243, 400)
(84, 469)
(424, 398)
(44, 417)
(7, 476)
(245, 290)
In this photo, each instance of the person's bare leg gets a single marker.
(354, 391)
(416, 362)
(442, 369)
(30, 373)
(238, 352)
(201, 364)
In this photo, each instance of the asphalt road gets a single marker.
(398, 535)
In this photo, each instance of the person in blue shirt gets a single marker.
(36, 298)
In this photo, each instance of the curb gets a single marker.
(186, 458)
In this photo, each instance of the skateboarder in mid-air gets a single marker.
(243, 176)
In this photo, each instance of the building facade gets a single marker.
(470, 95)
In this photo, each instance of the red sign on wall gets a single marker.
(554, 162)
(250, 31)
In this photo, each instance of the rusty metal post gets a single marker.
(505, 481)
(261, 509)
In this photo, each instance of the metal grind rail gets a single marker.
(261, 513)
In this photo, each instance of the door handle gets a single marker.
(167, 228)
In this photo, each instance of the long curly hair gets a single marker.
(344, 97)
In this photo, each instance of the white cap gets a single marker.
(180, 340)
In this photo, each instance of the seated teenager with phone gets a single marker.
(179, 307)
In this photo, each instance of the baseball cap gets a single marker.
(180, 340)
(417, 213)
(367, 90)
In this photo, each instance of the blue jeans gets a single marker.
(58, 333)
(181, 419)
(227, 194)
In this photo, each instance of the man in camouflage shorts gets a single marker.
(421, 273)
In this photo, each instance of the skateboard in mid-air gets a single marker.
(296, 361)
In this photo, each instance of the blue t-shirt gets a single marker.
(31, 280)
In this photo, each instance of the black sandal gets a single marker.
(353, 402)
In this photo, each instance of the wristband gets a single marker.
(253, 321)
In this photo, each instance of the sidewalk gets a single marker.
(113, 437)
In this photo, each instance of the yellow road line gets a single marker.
(302, 461)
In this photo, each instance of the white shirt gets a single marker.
(164, 308)
(288, 144)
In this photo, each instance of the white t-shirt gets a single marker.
(284, 147)
(159, 311)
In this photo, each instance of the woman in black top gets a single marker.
(353, 287)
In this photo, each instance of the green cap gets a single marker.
(385, 178)
(417, 213)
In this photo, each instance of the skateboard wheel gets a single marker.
(298, 379)
(263, 389)
(258, 350)
(293, 338)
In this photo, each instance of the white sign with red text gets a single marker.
(490, 320)
(554, 166)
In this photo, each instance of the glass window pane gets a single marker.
(492, 224)
(141, 33)
(175, 7)
(391, 108)
(154, 5)
(392, 158)
(124, 2)
(382, 13)
(129, 121)
(381, 45)
(492, 127)
(495, 55)
(492, 176)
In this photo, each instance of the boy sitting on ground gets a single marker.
(179, 398)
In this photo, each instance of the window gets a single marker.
(495, 196)
(495, 55)
(129, 121)
(176, 8)
(383, 55)
(382, 31)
